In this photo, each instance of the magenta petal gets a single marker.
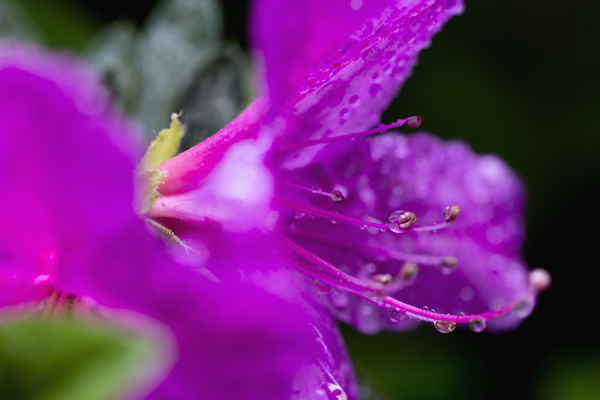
(65, 167)
(332, 67)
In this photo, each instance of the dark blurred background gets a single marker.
(517, 78)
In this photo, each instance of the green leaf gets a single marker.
(16, 23)
(65, 360)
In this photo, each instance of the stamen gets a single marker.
(59, 304)
(336, 196)
(412, 122)
(399, 222)
(333, 217)
(451, 213)
(50, 304)
(370, 251)
(328, 274)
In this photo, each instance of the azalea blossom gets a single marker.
(374, 222)
(69, 231)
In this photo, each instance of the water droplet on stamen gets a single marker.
(382, 128)
(414, 122)
(316, 189)
(451, 213)
(477, 325)
(461, 313)
(337, 196)
(395, 316)
(321, 288)
(445, 326)
(425, 308)
(401, 221)
(448, 265)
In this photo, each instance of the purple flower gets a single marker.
(66, 165)
(377, 204)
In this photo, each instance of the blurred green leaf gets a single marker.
(65, 23)
(179, 38)
(15, 22)
(572, 374)
(41, 360)
(417, 365)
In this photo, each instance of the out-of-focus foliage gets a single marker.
(177, 62)
(67, 360)
(16, 23)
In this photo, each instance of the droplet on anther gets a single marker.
(384, 279)
(448, 265)
(401, 221)
(408, 272)
(451, 213)
(414, 122)
(395, 316)
(445, 326)
(539, 280)
(477, 325)
(321, 288)
(316, 189)
(337, 196)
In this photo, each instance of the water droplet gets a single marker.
(425, 308)
(523, 308)
(477, 325)
(400, 221)
(333, 221)
(337, 196)
(316, 189)
(339, 298)
(299, 214)
(448, 265)
(461, 313)
(382, 128)
(395, 316)
(445, 326)
(451, 213)
(321, 288)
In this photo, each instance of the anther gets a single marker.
(539, 280)
(408, 272)
(384, 279)
(448, 265)
(401, 221)
(451, 213)
(336, 196)
(414, 122)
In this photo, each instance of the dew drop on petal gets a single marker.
(445, 326)
(395, 316)
(337, 196)
(321, 288)
(477, 325)
(339, 298)
(299, 214)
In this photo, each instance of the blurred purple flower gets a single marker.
(330, 70)
(66, 167)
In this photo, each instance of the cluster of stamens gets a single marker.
(378, 287)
